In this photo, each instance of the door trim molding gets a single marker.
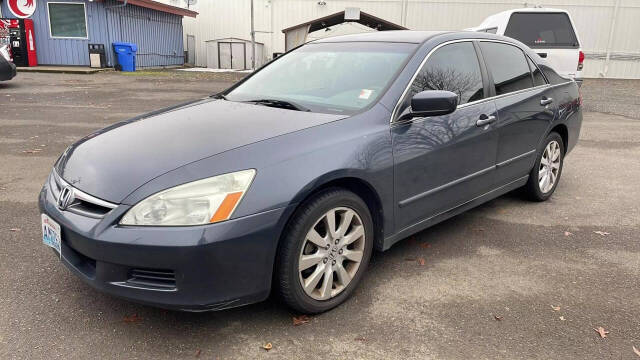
(444, 215)
(516, 158)
(417, 197)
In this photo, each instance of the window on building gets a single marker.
(67, 20)
(508, 66)
(453, 68)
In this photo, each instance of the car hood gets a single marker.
(111, 163)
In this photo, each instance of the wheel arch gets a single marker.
(354, 183)
(563, 131)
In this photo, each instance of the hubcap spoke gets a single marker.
(307, 261)
(327, 284)
(343, 275)
(353, 255)
(541, 173)
(345, 223)
(316, 239)
(544, 160)
(330, 222)
(354, 235)
(312, 281)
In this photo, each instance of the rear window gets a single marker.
(508, 66)
(538, 78)
(540, 30)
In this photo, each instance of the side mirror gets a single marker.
(433, 103)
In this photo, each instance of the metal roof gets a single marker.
(369, 20)
(150, 4)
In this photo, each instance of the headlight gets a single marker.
(195, 203)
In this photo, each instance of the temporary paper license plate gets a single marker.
(51, 233)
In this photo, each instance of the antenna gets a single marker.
(190, 2)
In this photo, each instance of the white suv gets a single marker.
(549, 32)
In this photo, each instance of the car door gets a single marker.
(525, 107)
(441, 162)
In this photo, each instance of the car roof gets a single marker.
(417, 37)
(407, 36)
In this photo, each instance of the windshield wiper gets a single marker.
(219, 96)
(279, 104)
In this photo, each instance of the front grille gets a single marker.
(86, 208)
(83, 203)
(154, 279)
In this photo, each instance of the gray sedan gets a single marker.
(288, 181)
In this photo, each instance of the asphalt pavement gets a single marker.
(508, 280)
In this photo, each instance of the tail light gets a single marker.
(580, 61)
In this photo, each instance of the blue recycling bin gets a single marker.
(126, 53)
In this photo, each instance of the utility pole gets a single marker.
(253, 41)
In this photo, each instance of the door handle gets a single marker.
(546, 101)
(485, 120)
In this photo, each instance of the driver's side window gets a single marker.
(453, 67)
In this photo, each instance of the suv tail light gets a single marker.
(580, 61)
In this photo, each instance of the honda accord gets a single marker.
(288, 180)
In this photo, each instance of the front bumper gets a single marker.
(199, 268)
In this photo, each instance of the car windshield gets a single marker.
(337, 78)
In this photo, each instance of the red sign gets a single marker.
(22, 8)
(5, 24)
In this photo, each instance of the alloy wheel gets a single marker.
(549, 167)
(331, 253)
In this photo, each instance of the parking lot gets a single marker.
(509, 280)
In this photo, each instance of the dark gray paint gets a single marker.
(420, 172)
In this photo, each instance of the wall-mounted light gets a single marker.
(322, 3)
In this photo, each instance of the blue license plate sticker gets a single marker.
(51, 234)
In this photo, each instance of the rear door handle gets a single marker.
(485, 120)
(546, 101)
(542, 55)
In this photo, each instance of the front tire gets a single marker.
(545, 175)
(325, 251)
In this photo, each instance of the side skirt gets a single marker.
(423, 224)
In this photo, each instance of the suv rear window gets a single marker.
(540, 30)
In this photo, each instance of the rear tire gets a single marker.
(318, 268)
(545, 175)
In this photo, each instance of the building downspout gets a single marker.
(253, 40)
(603, 73)
(403, 15)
